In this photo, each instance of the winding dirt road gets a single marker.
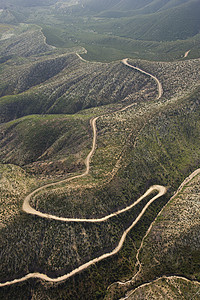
(130, 294)
(187, 53)
(160, 89)
(128, 282)
(161, 191)
(26, 205)
(28, 209)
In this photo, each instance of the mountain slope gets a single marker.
(166, 151)
(25, 3)
(176, 233)
(61, 83)
(45, 144)
(171, 24)
(54, 108)
(147, 6)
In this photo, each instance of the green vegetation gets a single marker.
(167, 287)
(172, 24)
(13, 186)
(69, 85)
(51, 144)
(150, 30)
(180, 243)
(109, 47)
(153, 160)
(48, 97)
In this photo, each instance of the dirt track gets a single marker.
(28, 209)
(162, 190)
(160, 89)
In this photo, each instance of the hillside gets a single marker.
(69, 84)
(183, 210)
(135, 6)
(25, 3)
(47, 145)
(108, 187)
(170, 249)
(161, 162)
(112, 30)
(149, 20)
(179, 22)
(93, 152)
(176, 287)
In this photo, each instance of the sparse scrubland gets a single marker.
(48, 144)
(180, 244)
(45, 130)
(167, 288)
(172, 247)
(178, 78)
(77, 86)
(14, 183)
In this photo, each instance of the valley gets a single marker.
(96, 150)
